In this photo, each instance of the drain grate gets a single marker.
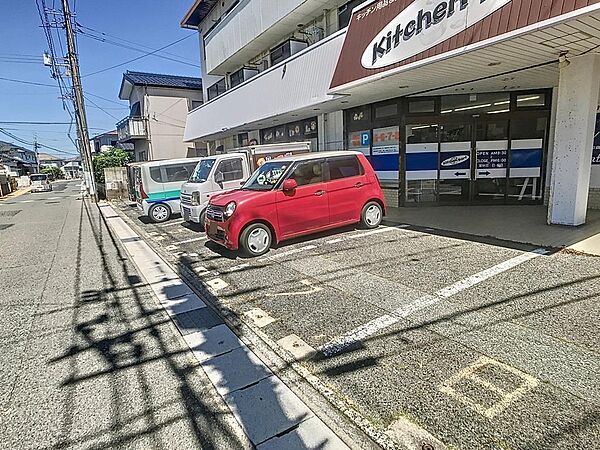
(10, 212)
(51, 203)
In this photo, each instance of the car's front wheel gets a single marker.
(203, 219)
(256, 239)
(159, 213)
(371, 215)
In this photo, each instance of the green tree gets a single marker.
(114, 157)
(54, 172)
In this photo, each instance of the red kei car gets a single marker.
(293, 196)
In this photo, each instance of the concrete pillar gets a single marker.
(578, 90)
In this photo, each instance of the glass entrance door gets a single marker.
(491, 161)
(455, 168)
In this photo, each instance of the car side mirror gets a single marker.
(219, 178)
(289, 185)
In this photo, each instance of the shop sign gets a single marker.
(422, 25)
(492, 163)
(596, 149)
(310, 128)
(455, 164)
(360, 141)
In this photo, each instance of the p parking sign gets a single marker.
(365, 139)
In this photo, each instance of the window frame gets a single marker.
(361, 169)
(226, 161)
(324, 172)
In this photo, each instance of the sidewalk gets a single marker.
(513, 224)
(15, 194)
(272, 416)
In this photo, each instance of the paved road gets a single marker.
(87, 358)
(482, 344)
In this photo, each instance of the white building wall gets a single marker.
(289, 86)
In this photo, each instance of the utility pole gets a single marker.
(36, 147)
(82, 130)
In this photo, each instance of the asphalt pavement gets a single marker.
(417, 336)
(88, 359)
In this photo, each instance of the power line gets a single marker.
(99, 107)
(28, 82)
(120, 40)
(25, 142)
(138, 58)
(10, 122)
(129, 47)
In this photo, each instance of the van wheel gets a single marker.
(371, 215)
(159, 213)
(256, 239)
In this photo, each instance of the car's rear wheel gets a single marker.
(372, 215)
(256, 239)
(159, 213)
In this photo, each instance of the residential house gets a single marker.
(17, 160)
(47, 160)
(158, 108)
(469, 105)
(104, 141)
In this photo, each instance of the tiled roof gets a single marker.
(156, 79)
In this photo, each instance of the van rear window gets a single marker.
(344, 167)
(38, 177)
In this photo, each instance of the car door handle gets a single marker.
(359, 184)
(319, 193)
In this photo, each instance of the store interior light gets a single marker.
(528, 99)
(446, 111)
(506, 102)
(466, 108)
(499, 111)
(420, 127)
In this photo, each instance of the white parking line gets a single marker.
(375, 325)
(289, 252)
(170, 224)
(187, 241)
(381, 229)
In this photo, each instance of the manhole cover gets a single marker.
(4, 226)
(10, 212)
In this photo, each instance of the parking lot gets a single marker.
(483, 344)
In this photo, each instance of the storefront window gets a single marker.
(476, 104)
(385, 153)
(359, 118)
(360, 141)
(421, 106)
(280, 134)
(531, 100)
(267, 136)
(422, 159)
(383, 111)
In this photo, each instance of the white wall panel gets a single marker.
(300, 82)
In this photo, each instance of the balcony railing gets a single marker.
(131, 128)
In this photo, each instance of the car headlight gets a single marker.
(229, 209)
(195, 198)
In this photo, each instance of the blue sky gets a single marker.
(150, 23)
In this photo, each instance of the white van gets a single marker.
(40, 182)
(158, 186)
(228, 171)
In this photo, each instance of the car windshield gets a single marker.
(202, 170)
(266, 176)
(38, 177)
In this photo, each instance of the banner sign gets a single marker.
(421, 26)
(596, 149)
